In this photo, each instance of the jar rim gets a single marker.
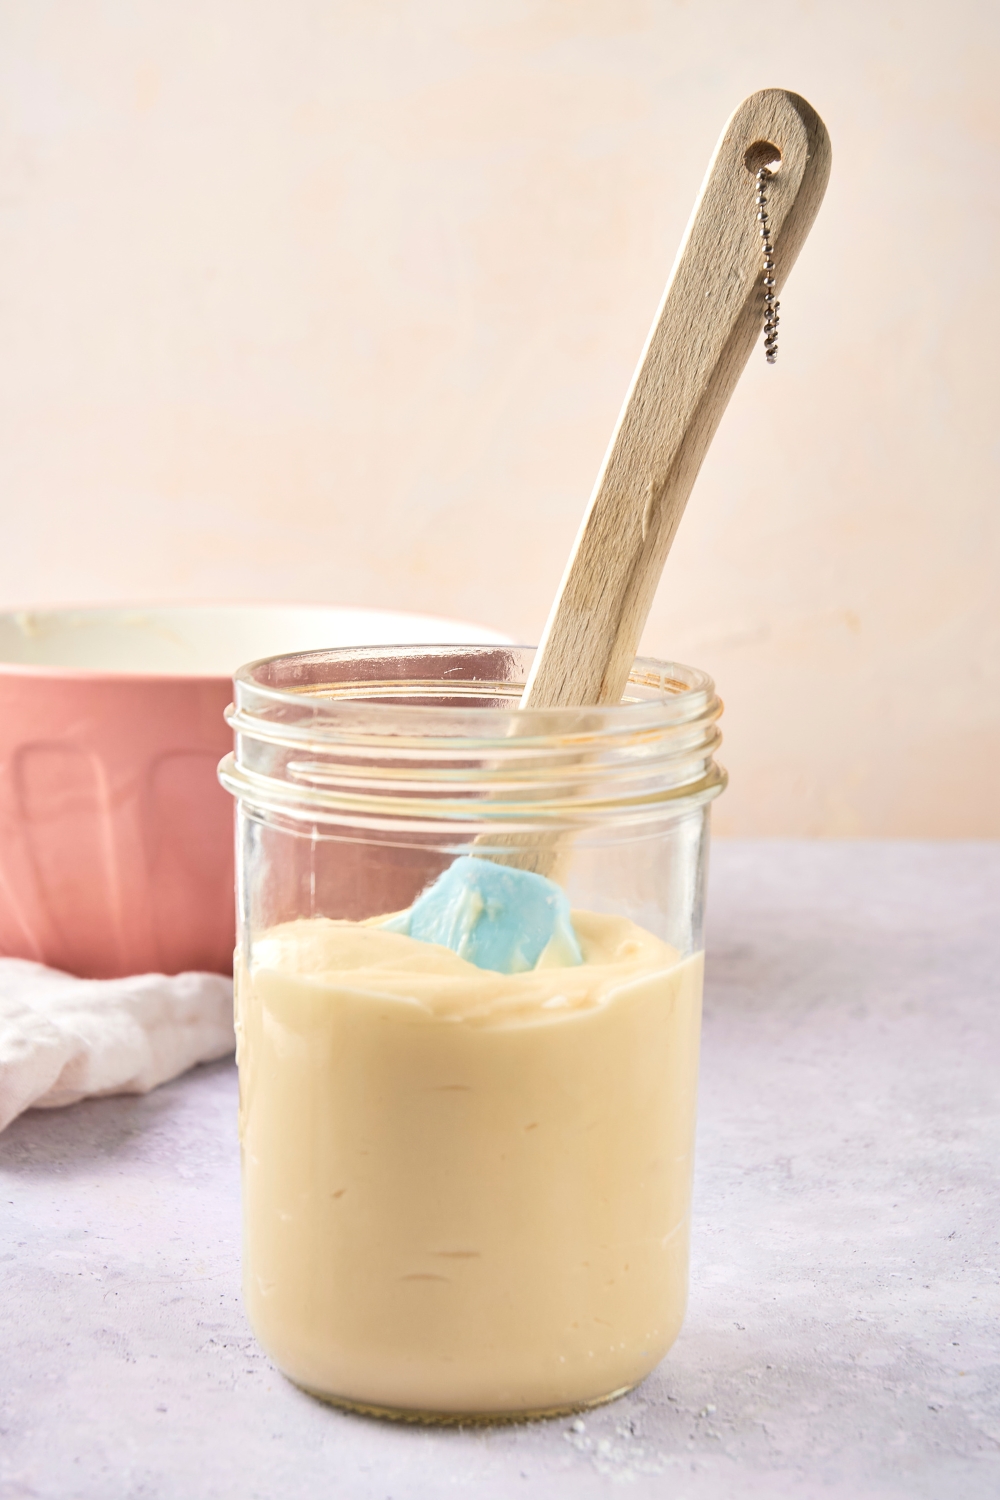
(318, 694)
(407, 737)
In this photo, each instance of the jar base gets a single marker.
(462, 1418)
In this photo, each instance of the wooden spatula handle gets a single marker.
(707, 324)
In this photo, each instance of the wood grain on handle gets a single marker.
(707, 324)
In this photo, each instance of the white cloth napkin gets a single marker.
(64, 1039)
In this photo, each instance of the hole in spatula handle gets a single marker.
(762, 154)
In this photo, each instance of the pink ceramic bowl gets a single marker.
(116, 842)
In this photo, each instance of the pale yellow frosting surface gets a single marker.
(466, 1191)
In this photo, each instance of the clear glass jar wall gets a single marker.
(466, 1193)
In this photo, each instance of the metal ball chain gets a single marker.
(770, 305)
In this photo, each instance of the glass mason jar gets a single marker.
(466, 1193)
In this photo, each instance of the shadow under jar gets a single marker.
(466, 1194)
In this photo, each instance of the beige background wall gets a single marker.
(338, 301)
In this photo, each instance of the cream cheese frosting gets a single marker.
(466, 1191)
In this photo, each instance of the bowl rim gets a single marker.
(51, 673)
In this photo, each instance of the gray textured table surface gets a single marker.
(841, 1338)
